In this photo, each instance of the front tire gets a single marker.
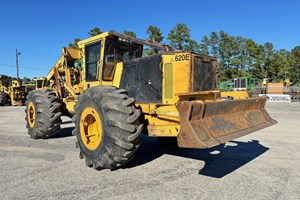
(43, 112)
(107, 127)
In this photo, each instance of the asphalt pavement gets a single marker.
(261, 165)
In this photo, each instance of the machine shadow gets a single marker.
(67, 127)
(63, 133)
(219, 161)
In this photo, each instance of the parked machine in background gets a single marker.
(28, 87)
(244, 83)
(238, 88)
(40, 83)
(226, 86)
(4, 96)
(14, 94)
(238, 84)
(115, 94)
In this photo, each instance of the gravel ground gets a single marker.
(262, 165)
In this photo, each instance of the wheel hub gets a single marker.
(31, 114)
(90, 128)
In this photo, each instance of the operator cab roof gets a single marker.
(112, 33)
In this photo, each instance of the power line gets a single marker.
(7, 49)
(39, 53)
(8, 65)
(31, 52)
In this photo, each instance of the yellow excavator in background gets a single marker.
(113, 94)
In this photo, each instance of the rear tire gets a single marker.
(4, 99)
(107, 127)
(43, 112)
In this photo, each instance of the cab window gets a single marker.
(118, 50)
(92, 53)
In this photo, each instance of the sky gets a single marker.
(40, 28)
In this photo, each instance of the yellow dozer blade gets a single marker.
(207, 124)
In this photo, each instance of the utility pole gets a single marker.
(17, 62)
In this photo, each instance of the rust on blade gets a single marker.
(204, 125)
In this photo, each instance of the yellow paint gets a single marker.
(92, 40)
(168, 81)
(167, 130)
(3, 88)
(90, 128)
(16, 83)
(70, 105)
(180, 76)
(118, 74)
(210, 95)
(163, 119)
(243, 94)
(40, 83)
(31, 114)
(59, 64)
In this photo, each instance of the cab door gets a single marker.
(92, 63)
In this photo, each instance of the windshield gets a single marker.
(122, 50)
(118, 50)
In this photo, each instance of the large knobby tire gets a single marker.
(43, 112)
(107, 127)
(4, 99)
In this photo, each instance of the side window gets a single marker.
(92, 57)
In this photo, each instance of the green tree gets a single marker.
(203, 46)
(294, 61)
(238, 56)
(26, 80)
(155, 35)
(230, 53)
(74, 44)
(279, 65)
(130, 33)
(263, 67)
(95, 31)
(5, 79)
(180, 38)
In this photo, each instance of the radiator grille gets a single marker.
(204, 70)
